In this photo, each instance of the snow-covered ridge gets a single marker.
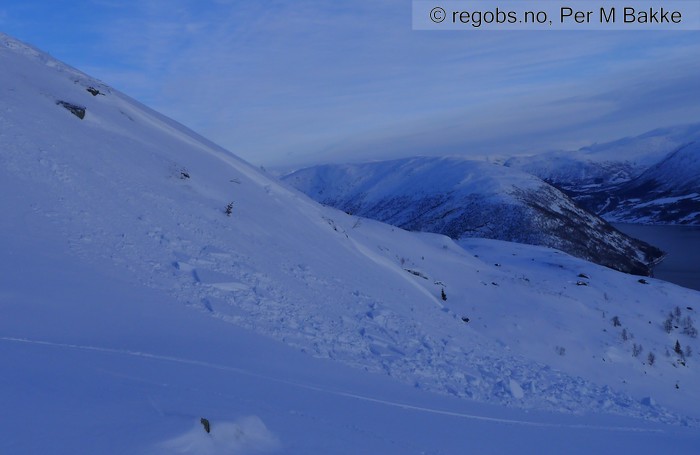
(463, 199)
(132, 303)
(610, 179)
(602, 165)
(668, 192)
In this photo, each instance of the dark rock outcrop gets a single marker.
(78, 111)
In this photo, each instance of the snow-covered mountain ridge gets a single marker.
(463, 199)
(133, 304)
(666, 193)
(635, 180)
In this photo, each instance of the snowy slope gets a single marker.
(463, 199)
(668, 192)
(132, 305)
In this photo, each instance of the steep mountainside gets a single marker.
(463, 199)
(634, 180)
(668, 192)
(150, 279)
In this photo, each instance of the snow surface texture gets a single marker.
(650, 179)
(463, 199)
(133, 305)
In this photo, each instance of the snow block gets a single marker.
(648, 401)
(516, 390)
(246, 435)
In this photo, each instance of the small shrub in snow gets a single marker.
(677, 348)
(688, 327)
(560, 350)
(443, 295)
(625, 335)
(668, 324)
(616, 321)
(651, 358)
(229, 209)
(637, 349)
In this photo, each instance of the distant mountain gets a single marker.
(463, 199)
(574, 172)
(667, 192)
(606, 164)
(610, 179)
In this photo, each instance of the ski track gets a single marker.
(150, 356)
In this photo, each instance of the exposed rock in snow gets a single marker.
(74, 109)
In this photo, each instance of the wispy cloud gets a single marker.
(294, 81)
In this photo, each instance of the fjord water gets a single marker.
(681, 243)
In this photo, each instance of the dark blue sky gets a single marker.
(301, 81)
